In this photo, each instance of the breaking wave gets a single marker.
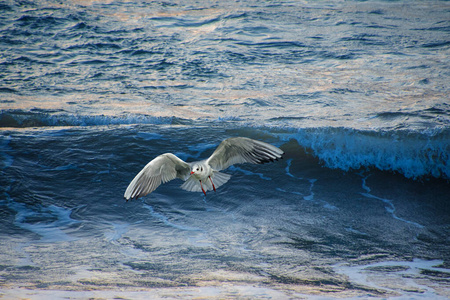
(43, 118)
(413, 154)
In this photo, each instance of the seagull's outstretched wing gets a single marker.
(160, 170)
(240, 150)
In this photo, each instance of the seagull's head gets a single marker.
(198, 170)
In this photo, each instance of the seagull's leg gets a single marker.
(201, 185)
(212, 183)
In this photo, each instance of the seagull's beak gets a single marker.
(192, 172)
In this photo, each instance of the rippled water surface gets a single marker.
(363, 65)
(355, 94)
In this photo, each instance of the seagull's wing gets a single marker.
(160, 170)
(240, 150)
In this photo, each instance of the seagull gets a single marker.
(201, 175)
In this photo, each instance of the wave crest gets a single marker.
(413, 154)
(42, 118)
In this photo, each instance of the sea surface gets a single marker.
(356, 93)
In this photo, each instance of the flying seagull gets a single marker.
(201, 175)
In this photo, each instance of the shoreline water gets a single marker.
(355, 93)
(303, 229)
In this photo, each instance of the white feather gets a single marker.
(203, 173)
(193, 185)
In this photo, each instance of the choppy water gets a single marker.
(355, 93)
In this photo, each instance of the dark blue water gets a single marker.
(355, 93)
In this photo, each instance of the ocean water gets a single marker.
(354, 92)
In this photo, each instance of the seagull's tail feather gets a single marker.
(193, 185)
(219, 179)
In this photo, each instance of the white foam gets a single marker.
(404, 277)
(352, 230)
(246, 172)
(226, 291)
(118, 230)
(310, 197)
(61, 119)
(311, 181)
(291, 192)
(288, 167)
(414, 154)
(390, 208)
(49, 231)
(166, 221)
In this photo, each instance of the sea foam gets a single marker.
(413, 154)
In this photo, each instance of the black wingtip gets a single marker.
(268, 160)
(129, 199)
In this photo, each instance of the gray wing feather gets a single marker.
(241, 150)
(162, 169)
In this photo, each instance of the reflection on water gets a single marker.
(292, 227)
(353, 64)
(355, 93)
